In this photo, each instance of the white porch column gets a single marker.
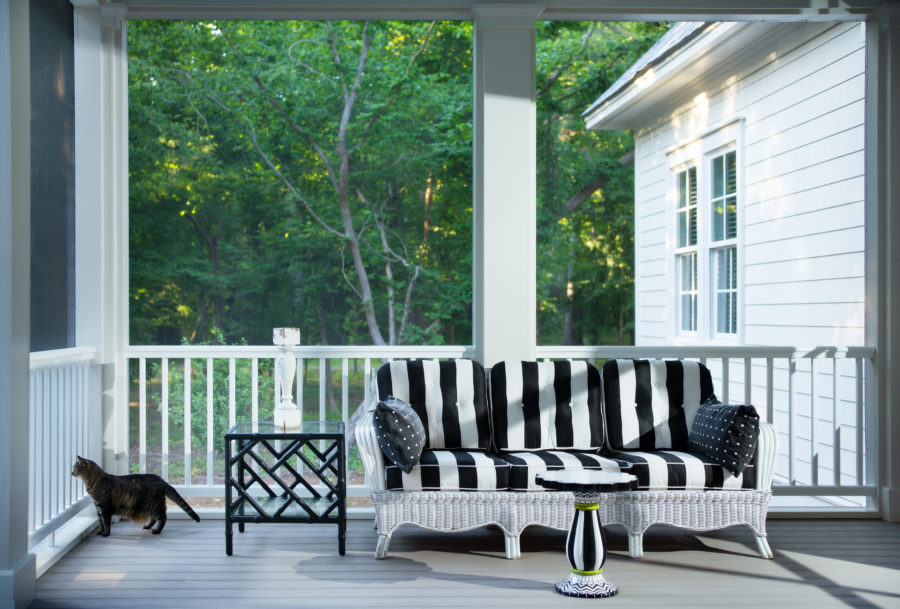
(505, 283)
(101, 201)
(17, 566)
(883, 245)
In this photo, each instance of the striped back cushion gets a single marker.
(449, 396)
(650, 404)
(546, 406)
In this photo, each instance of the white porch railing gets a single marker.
(815, 397)
(62, 423)
(177, 420)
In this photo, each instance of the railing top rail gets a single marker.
(557, 352)
(711, 351)
(58, 357)
(312, 351)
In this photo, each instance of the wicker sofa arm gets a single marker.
(766, 453)
(370, 453)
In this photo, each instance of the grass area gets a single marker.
(173, 392)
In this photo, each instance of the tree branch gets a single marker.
(582, 195)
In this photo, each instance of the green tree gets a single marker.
(319, 160)
(585, 184)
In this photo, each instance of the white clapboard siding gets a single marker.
(802, 172)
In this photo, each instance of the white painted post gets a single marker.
(883, 253)
(505, 283)
(17, 566)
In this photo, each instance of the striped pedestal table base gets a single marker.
(586, 586)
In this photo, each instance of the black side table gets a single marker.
(285, 476)
(586, 541)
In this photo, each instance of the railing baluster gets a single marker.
(726, 381)
(33, 452)
(367, 386)
(232, 391)
(860, 423)
(748, 380)
(187, 421)
(323, 393)
(254, 393)
(813, 435)
(210, 403)
(142, 413)
(792, 419)
(164, 388)
(770, 389)
(345, 390)
(836, 423)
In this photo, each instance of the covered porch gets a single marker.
(92, 398)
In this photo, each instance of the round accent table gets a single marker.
(586, 541)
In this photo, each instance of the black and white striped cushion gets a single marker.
(546, 406)
(524, 465)
(449, 396)
(677, 470)
(451, 470)
(650, 404)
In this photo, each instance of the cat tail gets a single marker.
(172, 494)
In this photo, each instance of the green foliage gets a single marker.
(586, 244)
(257, 166)
(239, 186)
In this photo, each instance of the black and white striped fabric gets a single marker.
(676, 470)
(650, 404)
(451, 470)
(523, 466)
(546, 406)
(449, 396)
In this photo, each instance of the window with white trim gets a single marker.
(706, 200)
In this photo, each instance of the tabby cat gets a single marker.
(137, 497)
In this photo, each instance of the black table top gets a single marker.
(587, 481)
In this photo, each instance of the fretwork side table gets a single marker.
(586, 541)
(285, 476)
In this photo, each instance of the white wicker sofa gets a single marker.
(488, 433)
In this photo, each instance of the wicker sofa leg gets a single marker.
(384, 540)
(636, 544)
(763, 544)
(513, 548)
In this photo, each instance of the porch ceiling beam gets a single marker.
(590, 10)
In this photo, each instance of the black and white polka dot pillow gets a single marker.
(726, 433)
(400, 432)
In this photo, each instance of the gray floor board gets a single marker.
(818, 564)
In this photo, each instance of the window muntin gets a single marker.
(723, 199)
(706, 239)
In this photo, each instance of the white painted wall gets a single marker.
(801, 220)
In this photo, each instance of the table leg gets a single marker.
(586, 552)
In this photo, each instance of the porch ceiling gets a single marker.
(800, 10)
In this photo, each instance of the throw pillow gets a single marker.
(400, 432)
(726, 433)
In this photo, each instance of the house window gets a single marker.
(723, 214)
(687, 246)
(706, 254)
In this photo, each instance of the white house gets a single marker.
(749, 183)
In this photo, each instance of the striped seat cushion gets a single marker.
(524, 465)
(546, 406)
(677, 470)
(449, 396)
(451, 470)
(650, 404)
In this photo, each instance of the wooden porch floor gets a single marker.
(818, 563)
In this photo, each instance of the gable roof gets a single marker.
(674, 39)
